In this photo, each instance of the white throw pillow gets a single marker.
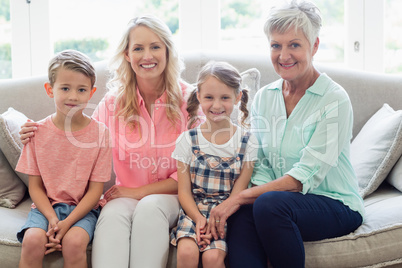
(251, 82)
(10, 143)
(376, 148)
(395, 176)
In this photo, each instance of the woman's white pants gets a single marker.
(132, 233)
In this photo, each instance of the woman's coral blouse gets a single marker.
(142, 155)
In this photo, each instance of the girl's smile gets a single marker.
(217, 100)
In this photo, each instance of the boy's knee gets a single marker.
(34, 239)
(74, 247)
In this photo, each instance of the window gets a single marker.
(242, 24)
(92, 27)
(5, 40)
(393, 40)
(358, 34)
(96, 27)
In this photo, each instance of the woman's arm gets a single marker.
(168, 186)
(248, 196)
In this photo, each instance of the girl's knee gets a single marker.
(187, 253)
(213, 258)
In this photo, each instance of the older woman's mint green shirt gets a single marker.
(312, 145)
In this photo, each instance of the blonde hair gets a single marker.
(71, 60)
(124, 80)
(228, 75)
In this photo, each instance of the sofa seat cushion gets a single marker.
(380, 233)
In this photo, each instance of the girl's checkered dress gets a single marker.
(212, 179)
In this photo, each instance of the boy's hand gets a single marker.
(61, 229)
(54, 244)
(56, 235)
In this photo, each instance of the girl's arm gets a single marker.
(240, 184)
(244, 179)
(187, 200)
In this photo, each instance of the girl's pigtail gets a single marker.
(243, 107)
(192, 109)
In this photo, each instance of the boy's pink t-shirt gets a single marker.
(67, 161)
(143, 156)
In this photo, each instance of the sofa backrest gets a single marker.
(367, 91)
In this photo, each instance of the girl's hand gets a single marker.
(120, 191)
(206, 238)
(27, 131)
(201, 227)
(219, 216)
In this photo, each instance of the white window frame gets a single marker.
(31, 46)
(199, 24)
(199, 30)
(364, 48)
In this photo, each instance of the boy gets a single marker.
(67, 160)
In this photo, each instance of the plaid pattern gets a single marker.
(212, 179)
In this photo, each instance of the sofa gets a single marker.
(375, 152)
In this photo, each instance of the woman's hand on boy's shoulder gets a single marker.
(28, 131)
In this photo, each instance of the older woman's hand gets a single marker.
(27, 131)
(219, 216)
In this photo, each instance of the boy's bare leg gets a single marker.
(33, 248)
(74, 248)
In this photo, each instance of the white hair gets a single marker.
(302, 15)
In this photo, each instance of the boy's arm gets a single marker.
(38, 195)
(87, 203)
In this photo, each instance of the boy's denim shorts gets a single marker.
(37, 220)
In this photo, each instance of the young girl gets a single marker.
(214, 161)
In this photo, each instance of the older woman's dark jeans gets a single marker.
(275, 226)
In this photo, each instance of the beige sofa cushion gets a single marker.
(376, 243)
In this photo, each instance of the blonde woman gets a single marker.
(145, 110)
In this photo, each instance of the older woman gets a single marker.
(145, 111)
(304, 187)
